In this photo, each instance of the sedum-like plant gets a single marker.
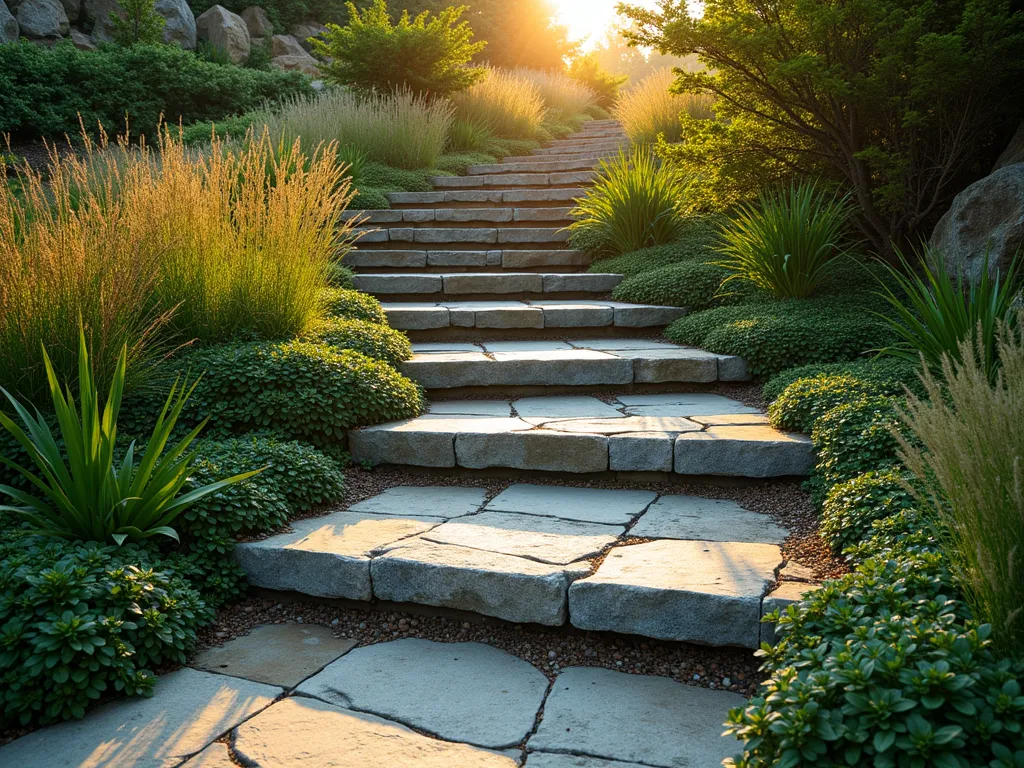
(935, 312)
(784, 243)
(635, 203)
(91, 496)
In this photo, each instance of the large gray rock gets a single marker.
(287, 45)
(743, 451)
(535, 450)
(8, 25)
(305, 30)
(553, 760)
(81, 41)
(635, 718)
(1014, 152)
(692, 591)
(188, 711)
(297, 63)
(314, 734)
(99, 11)
(490, 697)
(180, 23)
(225, 30)
(510, 588)
(217, 755)
(257, 21)
(986, 219)
(42, 19)
(73, 9)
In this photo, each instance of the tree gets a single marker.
(587, 70)
(898, 100)
(140, 23)
(427, 54)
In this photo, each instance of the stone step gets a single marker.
(602, 148)
(579, 363)
(481, 319)
(564, 156)
(592, 142)
(502, 180)
(457, 237)
(528, 556)
(532, 166)
(490, 198)
(451, 216)
(498, 260)
(485, 283)
(684, 434)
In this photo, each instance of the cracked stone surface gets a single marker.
(635, 718)
(488, 697)
(593, 505)
(695, 517)
(429, 501)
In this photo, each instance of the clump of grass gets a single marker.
(401, 129)
(635, 203)
(506, 103)
(970, 465)
(649, 109)
(560, 92)
(468, 136)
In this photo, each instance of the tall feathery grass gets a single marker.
(158, 246)
(560, 92)
(970, 465)
(649, 109)
(506, 103)
(401, 129)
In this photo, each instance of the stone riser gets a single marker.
(486, 296)
(482, 198)
(412, 245)
(515, 180)
(510, 317)
(491, 284)
(486, 218)
(497, 261)
(542, 269)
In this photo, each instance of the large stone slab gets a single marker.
(510, 282)
(327, 556)
(422, 442)
(445, 501)
(490, 697)
(640, 452)
(701, 519)
(538, 410)
(521, 368)
(636, 718)
(507, 587)
(421, 317)
(314, 734)
(593, 505)
(693, 591)
(524, 259)
(536, 450)
(385, 284)
(685, 404)
(545, 539)
(746, 451)
(580, 282)
(277, 654)
(214, 756)
(654, 366)
(658, 424)
(500, 408)
(577, 315)
(553, 760)
(189, 710)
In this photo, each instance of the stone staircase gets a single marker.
(531, 369)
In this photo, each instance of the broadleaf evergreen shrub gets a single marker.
(695, 285)
(371, 339)
(852, 506)
(356, 305)
(888, 375)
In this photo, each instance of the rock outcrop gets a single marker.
(225, 30)
(42, 19)
(180, 26)
(9, 29)
(257, 22)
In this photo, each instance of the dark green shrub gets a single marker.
(697, 243)
(888, 374)
(342, 302)
(384, 178)
(369, 199)
(304, 391)
(458, 162)
(371, 339)
(45, 89)
(809, 397)
(588, 70)
(854, 438)
(775, 335)
(694, 285)
(884, 668)
(502, 148)
(851, 507)
(82, 621)
(233, 127)
(341, 277)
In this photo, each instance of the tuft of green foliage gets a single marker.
(371, 339)
(587, 69)
(509, 104)
(695, 285)
(851, 507)
(48, 89)
(139, 24)
(698, 241)
(775, 335)
(888, 375)
(783, 244)
(232, 127)
(301, 390)
(468, 135)
(342, 302)
(635, 203)
(651, 111)
(385, 178)
(427, 54)
(369, 199)
(341, 276)
(82, 622)
(456, 163)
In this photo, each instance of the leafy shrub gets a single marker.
(649, 110)
(964, 445)
(563, 94)
(587, 70)
(801, 403)
(775, 335)
(301, 390)
(46, 89)
(633, 204)
(933, 314)
(400, 128)
(694, 285)
(369, 199)
(852, 506)
(81, 621)
(426, 54)
(784, 242)
(341, 302)
(371, 339)
(341, 276)
(389, 179)
(509, 105)
(883, 668)
(853, 438)
(698, 241)
(888, 376)
(506, 147)
(457, 163)
(140, 23)
(233, 127)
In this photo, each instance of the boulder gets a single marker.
(286, 45)
(226, 30)
(302, 32)
(1014, 152)
(82, 41)
(302, 63)
(257, 22)
(8, 25)
(42, 18)
(180, 26)
(73, 9)
(987, 218)
(99, 12)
